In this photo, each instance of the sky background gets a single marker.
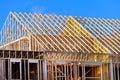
(84, 8)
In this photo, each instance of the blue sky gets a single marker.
(85, 8)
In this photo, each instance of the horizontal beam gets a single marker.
(58, 55)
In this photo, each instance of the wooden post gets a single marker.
(45, 69)
(9, 69)
(25, 70)
(75, 71)
(111, 69)
(83, 71)
(30, 44)
(20, 64)
(2, 70)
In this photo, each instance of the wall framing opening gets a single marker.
(15, 69)
(33, 70)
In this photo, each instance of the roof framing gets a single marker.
(60, 33)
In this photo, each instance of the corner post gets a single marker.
(44, 67)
